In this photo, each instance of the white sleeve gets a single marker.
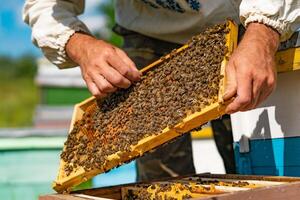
(53, 22)
(282, 15)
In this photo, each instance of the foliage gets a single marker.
(24, 66)
(18, 91)
(107, 9)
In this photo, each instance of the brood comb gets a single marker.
(177, 93)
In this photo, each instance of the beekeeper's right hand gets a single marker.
(104, 67)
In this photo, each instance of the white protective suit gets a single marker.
(54, 21)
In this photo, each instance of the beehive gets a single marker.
(85, 140)
(192, 188)
(201, 186)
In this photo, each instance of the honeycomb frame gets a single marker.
(64, 183)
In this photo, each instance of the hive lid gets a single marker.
(66, 182)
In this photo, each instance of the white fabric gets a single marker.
(173, 25)
(54, 21)
(282, 15)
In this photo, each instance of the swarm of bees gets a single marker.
(182, 84)
(160, 191)
(179, 190)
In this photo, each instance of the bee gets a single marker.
(182, 84)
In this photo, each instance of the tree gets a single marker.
(24, 66)
(107, 9)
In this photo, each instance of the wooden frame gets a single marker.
(286, 60)
(288, 189)
(215, 110)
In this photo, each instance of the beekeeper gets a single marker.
(152, 28)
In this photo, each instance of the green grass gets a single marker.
(18, 97)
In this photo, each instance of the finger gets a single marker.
(113, 76)
(130, 63)
(123, 68)
(244, 93)
(94, 89)
(267, 87)
(260, 91)
(258, 100)
(103, 84)
(270, 87)
(231, 86)
(257, 91)
(263, 96)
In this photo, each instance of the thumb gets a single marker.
(231, 84)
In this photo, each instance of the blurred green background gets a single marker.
(19, 92)
(36, 105)
(18, 64)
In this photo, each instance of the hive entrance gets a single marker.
(133, 121)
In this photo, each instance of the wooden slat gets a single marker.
(231, 43)
(287, 187)
(288, 60)
(59, 197)
(287, 192)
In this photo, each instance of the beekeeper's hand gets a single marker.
(251, 72)
(104, 67)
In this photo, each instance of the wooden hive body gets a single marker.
(66, 182)
(219, 186)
